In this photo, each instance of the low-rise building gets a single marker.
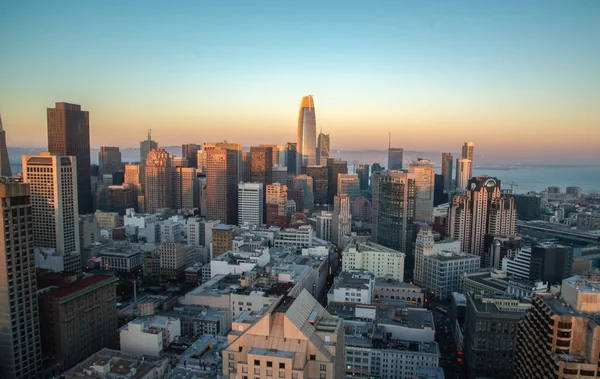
(298, 238)
(174, 258)
(397, 290)
(149, 335)
(123, 259)
(197, 320)
(443, 271)
(353, 287)
(107, 220)
(362, 254)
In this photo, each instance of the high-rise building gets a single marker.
(4, 160)
(442, 271)
(250, 203)
(463, 170)
(324, 224)
(304, 183)
(551, 262)
(184, 188)
(246, 173)
(323, 148)
(53, 181)
(261, 165)
(335, 166)
(439, 195)
(201, 199)
(222, 184)
(69, 135)
(109, 160)
(146, 146)
(447, 160)
(158, 176)
(133, 174)
(575, 192)
(469, 153)
(222, 239)
(319, 175)
(190, 152)
(342, 218)
(424, 246)
(349, 184)
(395, 156)
(529, 207)
(297, 340)
(424, 175)
(306, 135)
(363, 176)
(201, 161)
(275, 149)
(292, 158)
(482, 211)
(276, 201)
(393, 209)
(20, 342)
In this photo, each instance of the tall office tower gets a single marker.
(292, 158)
(306, 135)
(349, 184)
(468, 153)
(319, 174)
(294, 340)
(250, 203)
(4, 160)
(146, 146)
(323, 148)
(324, 221)
(423, 248)
(184, 188)
(304, 183)
(393, 209)
(53, 181)
(558, 337)
(133, 174)
(395, 156)
(574, 192)
(19, 326)
(363, 176)
(342, 218)
(482, 211)
(276, 201)
(158, 180)
(424, 175)
(201, 161)
(529, 207)
(109, 160)
(261, 165)
(222, 184)
(439, 196)
(190, 152)
(447, 161)
(69, 135)
(463, 170)
(201, 186)
(238, 158)
(275, 149)
(246, 174)
(280, 174)
(335, 166)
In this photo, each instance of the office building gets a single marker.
(352, 287)
(158, 178)
(361, 209)
(574, 192)
(363, 176)
(588, 220)
(190, 151)
(348, 184)
(292, 158)
(133, 177)
(250, 203)
(335, 167)
(19, 327)
(53, 184)
(324, 225)
(222, 239)
(261, 165)
(463, 170)
(116, 199)
(447, 160)
(342, 218)
(320, 179)
(147, 146)
(5, 169)
(174, 258)
(280, 174)
(69, 135)
(149, 335)
(297, 340)
(424, 175)
(78, 316)
(557, 337)
(443, 271)
(276, 204)
(323, 148)
(551, 262)
(468, 152)
(439, 196)
(109, 160)
(303, 184)
(529, 207)
(424, 246)
(362, 254)
(306, 134)
(490, 336)
(221, 184)
(393, 209)
(184, 190)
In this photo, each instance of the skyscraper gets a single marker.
(69, 135)
(335, 166)
(463, 170)
(4, 160)
(109, 160)
(348, 184)
(306, 135)
(323, 148)
(184, 188)
(341, 222)
(468, 153)
(222, 184)
(395, 156)
(363, 176)
(447, 161)
(393, 209)
(276, 204)
(304, 183)
(20, 342)
(250, 203)
(190, 152)
(53, 186)
(146, 146)
(424, 180)
(261, 164)
(319, 174)
(158, 179)
(292, 159)
(423, 248)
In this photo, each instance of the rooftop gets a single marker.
(113, 363)
(223, 227)
(81, 286)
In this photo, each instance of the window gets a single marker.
(323, 368)
(323, 375)
(282, 374)
(269, 364)
(282, 365)
(256, 362)
(231, 356)
(256, 371)
(313, 357)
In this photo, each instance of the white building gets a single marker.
(122, 260)
(396, 290)
(299, 238)
(352, 287)
(239, 262)
(443, 271)
(138, 220)
(324, 225)
(342, 218)
(250, 203)
(199, 231)
(426, 246)
(463, 170)
(149, 335)
(519, 263)
(376, 259)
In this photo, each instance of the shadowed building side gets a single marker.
(4, 160)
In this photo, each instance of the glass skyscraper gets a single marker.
(306, 135)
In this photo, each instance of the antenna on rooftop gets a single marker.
(390, 141)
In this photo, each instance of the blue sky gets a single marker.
(208, 71)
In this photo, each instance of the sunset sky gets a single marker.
(505, 74)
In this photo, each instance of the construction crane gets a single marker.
(512, 185)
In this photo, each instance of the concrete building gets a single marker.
(54, 203)
(276, 205)
(335, 167)
(261, 165)
(397, 290)
(197, 320)
(443, 272)
(222, 239)
(174, 258)
(123, 260)
(352, 287)
(324, 225)
(149, 335)
(349, 184)
(342, 219)
(184, 184)
(200, 231)
(298, 238)
(320, 180)
(280, 174)
(424, 175)
(373, 258)
(251, 203)
(574, 192)
(425, 245)
(361, 209)
(300, 340)
(78, 316)
(222, 168)
(468, 152)
(447, 160)
(158, 180)
(237, 263)
(107, 220)
(463, 172)
(588, 220)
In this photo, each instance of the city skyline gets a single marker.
(399, 68)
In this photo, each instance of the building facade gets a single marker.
(250, 203)
(5, 169)
(323, 148)
(221, 184)
(158, 179)
(468, 152)
(306, 135)
(342, 218)
(424, 175)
